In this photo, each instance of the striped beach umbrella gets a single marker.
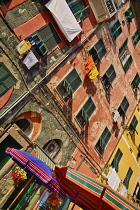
(36, 167)
(90, 194)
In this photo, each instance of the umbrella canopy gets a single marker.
(36, 167)
(90, 194)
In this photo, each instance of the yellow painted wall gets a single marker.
(128, 145)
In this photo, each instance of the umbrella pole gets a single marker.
(74, 204)
(20, 192)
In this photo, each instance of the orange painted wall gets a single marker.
(10, 5)
(121, 87)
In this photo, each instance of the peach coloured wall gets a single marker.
(102, 116)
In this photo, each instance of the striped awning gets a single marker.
(42, 156)
(90, 194)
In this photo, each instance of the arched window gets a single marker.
(52, 147)
(25, 125)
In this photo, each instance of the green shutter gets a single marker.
(123, 45)
(127, 178)
(136, 81)
(128, 63)
(7, 80)
(110, 73)
(133, 123)
(124, 104)
(7, 142)
(88, 108)
(136, 38)
(70, 84)
(116, 30)
(116, 160)
(98, 51)
(104, 138)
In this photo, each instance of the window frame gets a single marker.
(67, 89)
(106, 81)
(121, 110)
(128, 177)
(41, 41)
(116, 30)
(130, 14)
(4, 77)
(101, 148)
(95, 55)
(117, 159)
(134, 83)
(135, 38)
(125, 57)
(82, 117)
(79, 15)
(133, 125)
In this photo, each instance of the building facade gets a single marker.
(69, 80)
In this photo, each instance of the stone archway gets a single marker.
(30, 123)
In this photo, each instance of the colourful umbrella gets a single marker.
(90, 194)
(36, 167)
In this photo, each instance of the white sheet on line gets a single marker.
(64, 18)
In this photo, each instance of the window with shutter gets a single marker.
(133, 125)
(123, 107)
(136, 82)
(86, 112)
(129, 15)
(108, 77)
(116, 160)
(103, 140)
(78, 9)
(7, 142)
(125, 57)
(127, 178)
(69, 85)
(98, 51)
(7, 80)
(116, 30)
(136, 38)
(45, 39)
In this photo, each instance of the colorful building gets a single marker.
(69, 80)
(122, 170)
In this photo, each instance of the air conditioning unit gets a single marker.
(103, 9)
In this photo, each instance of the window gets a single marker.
(103, 140)
(7, 142)
(69, 85)
(116, 30)
(123, 107)
(108, 77)
(129, 15)
(136, 38)
(136, 81)
(133, 125)
(7, 80)
(116, 160)
(78, 9)
(85, 113)
(98, 51)
(45, 39)
(127, 178)
(125, 57)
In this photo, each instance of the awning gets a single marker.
(64, 18)
(42, 156)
